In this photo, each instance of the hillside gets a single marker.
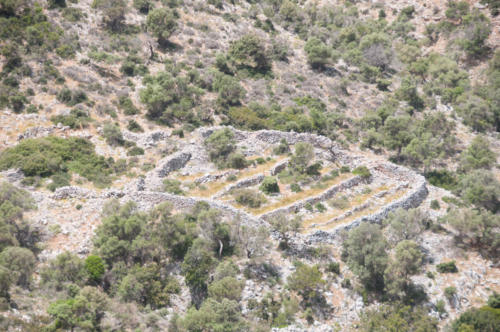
(237, 165)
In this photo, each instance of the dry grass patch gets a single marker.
(188, 178)
(208, 189)
(248, 172)
(355, 201)
(358, 214)
(295, 197)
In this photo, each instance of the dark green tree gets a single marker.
(364, 252)
(161, 22)
(318, 54)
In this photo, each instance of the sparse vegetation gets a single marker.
(106, 99)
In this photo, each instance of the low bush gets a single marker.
(52, 155)
(435, 204)
(70, 97)
(173, 186)
(248, 197)
(134, 126)
(135, 151)
(333, 267)
(269, 185)
(113, 135)
(295, 187)
(362, 171)
(127, 106)
(447, 267)
(282, 148)
(237, 161)
(75, 119)
(442, 178)
(485, 319)
(450, 292)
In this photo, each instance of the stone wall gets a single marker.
(411, 199)
(313, 200)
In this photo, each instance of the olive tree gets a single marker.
(365, 254)
(161, 22)
(318, 53)
(477, 155)
(376, 49)
(481, 188)
(249, 52)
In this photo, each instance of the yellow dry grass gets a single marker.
(355, 201)
(398, 194)
(211, 188)
(265, 167)
(295, 197)
(189, 178)
(395, 196)
(208, 189)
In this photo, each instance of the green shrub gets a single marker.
(450, 292)
(435, 204)
(304, 153)
(113, 135)
(73, 14)
(376, 50)
(226, 288)
(282, 148)
(173, 186)
(269, 185)
(249, 54)
(51, 155)
(17, 102)
(408, 318)
(477, 155)
(56, 3)
(481, 188)
(143, 6)
(71, 98)
(318, 54)
(135, 151)
(333, 267)
(477, 28)
(494, 300)
(341, 203)
(447, 267)
(128, 106)
(178, 132)
(134, 126)
(248, 197)
(170, 99)
(237, 161)
(442, 178)
(94, 266)
(320, 207)
(221, 146)
(362, 171)
(229, 90)
(20, 262)
(59, 180)
(306, 280)
(314, 169)
(161, 22)
(75, 119)
(295, 187)
(483, 319)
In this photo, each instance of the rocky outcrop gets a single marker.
(173, 163)
(73, 192)
(146, 140)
